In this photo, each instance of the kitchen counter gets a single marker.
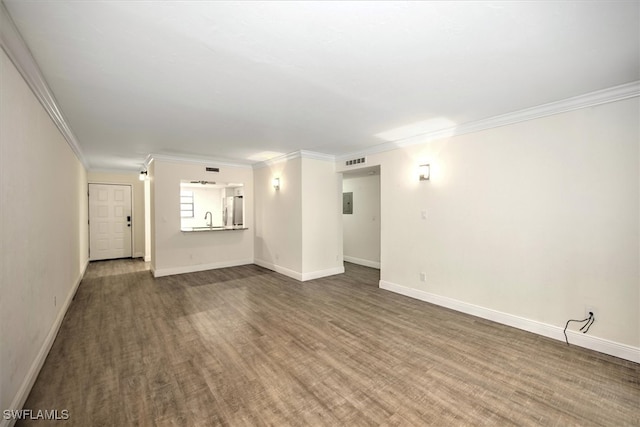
(200, 229)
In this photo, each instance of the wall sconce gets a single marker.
(142, 176)
(276, 183)
(425, 172)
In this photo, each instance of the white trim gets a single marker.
(301, 277)
(601, 345)
(317, 156)
(616, 93)
(147, 161)
(318, 274)
(284, 158)
(299, 154)
(17, 50)
(360, 261)
(161, 272)
(379, 148)
(23, 392)
(138, 255)
(591, 99)
(200, 160)
(127, 172)
(278, 269)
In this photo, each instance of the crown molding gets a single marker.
(299, 154)
(379, 148)
(284, 158)
(317, 156)
(200, 160)
(147, 161)
(591, 99)
(115, 171)
(16, 49)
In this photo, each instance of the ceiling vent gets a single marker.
(209, 169)
(358, 161)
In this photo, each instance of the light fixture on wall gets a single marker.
(142, 176)
(425, 172)
(276, 183)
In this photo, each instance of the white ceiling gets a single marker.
(233, 80)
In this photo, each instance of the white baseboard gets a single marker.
(301, 277)
(279, 269)
(323, 273)
(601, 345)
(24, 390)
(160, 272)
(360, 261)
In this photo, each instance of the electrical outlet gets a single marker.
(423, 276)
(589, 309)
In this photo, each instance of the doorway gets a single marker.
(109, 221)
(361, 216)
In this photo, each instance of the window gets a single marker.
(186, 204)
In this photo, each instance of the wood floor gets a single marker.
(244, 346)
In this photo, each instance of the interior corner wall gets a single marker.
(362, 227)
(43, 234)
(322, 251)
(278, 221)
(182, 252)
(528, 223)
(137, 192)
(152, 215)
(147, 217)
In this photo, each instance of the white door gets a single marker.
(109, 221)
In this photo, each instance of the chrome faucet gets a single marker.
(210, 224)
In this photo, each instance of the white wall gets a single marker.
(298, 228)
(278, 223)
(152, 212)
(322, 250)
(137, 196)
(362, 228)
(43, 234)
(528, 223)
(174, 251)
(147, 220)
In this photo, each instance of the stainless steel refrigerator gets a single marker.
(232, 212)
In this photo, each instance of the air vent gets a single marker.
(358, 161)
(213, 169)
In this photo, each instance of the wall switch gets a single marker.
(423, 277)
(423, 214)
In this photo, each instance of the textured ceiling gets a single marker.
(233, 80)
